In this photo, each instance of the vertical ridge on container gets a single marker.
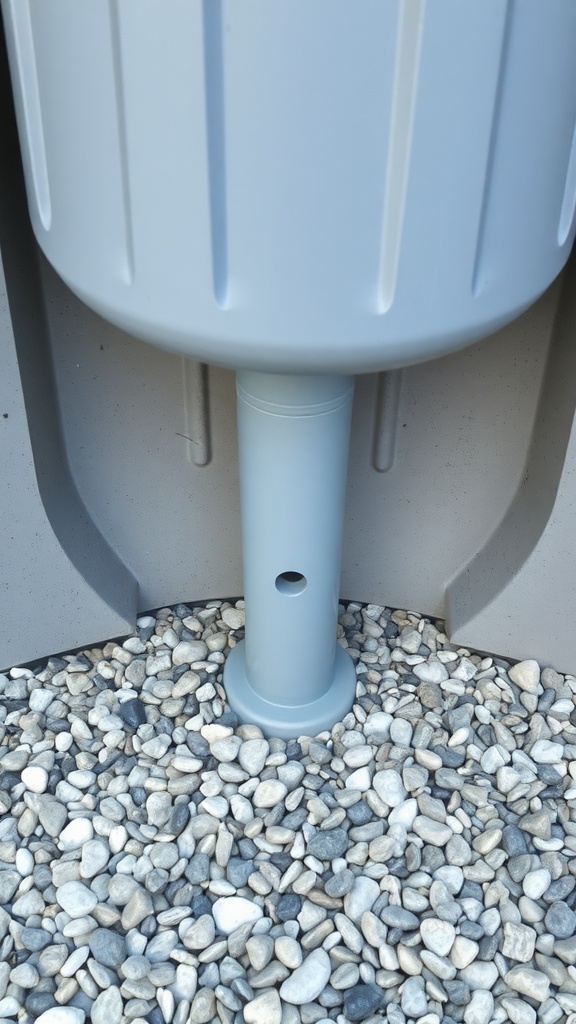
(409, 44)
(569, 199)
(216, 144)
(23, 36)
(479, 265)
(116, 45)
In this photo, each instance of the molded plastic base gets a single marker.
(284, 721)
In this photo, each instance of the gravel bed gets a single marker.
(161, 862)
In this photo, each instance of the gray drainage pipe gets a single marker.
(290, 675)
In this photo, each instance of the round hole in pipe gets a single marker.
(291, 583)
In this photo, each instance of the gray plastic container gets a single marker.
(295, 186)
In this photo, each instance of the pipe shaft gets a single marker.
(293, 435)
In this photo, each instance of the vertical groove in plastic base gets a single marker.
(197, 432)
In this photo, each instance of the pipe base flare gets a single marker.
(289, 722)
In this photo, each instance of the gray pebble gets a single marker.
(360, 813)
(52, 959)
(560, 920)
(136, 967)
(198, 869)
(397, 917)
(319, 753)
(560, 889)
(329, 844)
(133, 712)
(362, 1000)
(340, 883)
(108, 947)
(514, 841)
(38, 1003)
(160, 946)
(35, 939)
(457, 991)
(288, 907)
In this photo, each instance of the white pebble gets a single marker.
(536, 883)
(308, 980)
(463, 952)
(234, 617)
(230, 912)
(62, 1015)
(188, 652)
(117, 839)
(438, 936)
(401, 732)
(252, 755)
(76, 899)
(388, 786)
(265, 1008)
(360, 779)
(431, 672)
(404, 813)
(76, 833)
(528, 982)
(269, 793)
(480, 1008)
(95, 857)
(526, 675)
(288, 952)
(24, 862)
(545, 752)
(40, 699)
(519, 1011)
(378, 725)
(35, 778)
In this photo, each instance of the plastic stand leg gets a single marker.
(289, 675)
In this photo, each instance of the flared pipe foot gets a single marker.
(289, 722)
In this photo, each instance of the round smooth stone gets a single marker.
(35, 778)
(362, 1000)
(560, 920)
(307, 981)
(62, 1015)
(269, 793)
(328, 844)
(265, 1007)
(108, 947)
(76, 899)
(252, 756)
(438, 936)
(231, 912)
